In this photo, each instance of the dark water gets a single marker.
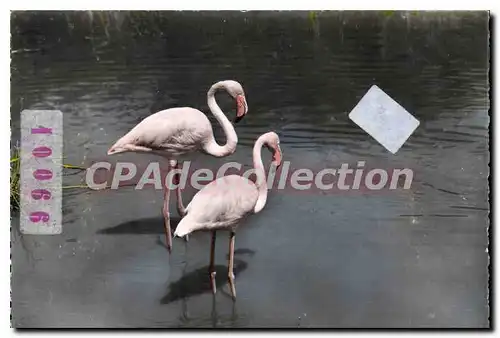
(404, 258)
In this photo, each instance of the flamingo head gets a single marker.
(272, 143)
(236, 91)
(242, 108)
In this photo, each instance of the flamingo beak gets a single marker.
(242, 108)
(277, 156)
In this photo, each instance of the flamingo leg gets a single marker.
(166, 215)
(178, 193)
(180, 206)
(211, 268)
(230, 274)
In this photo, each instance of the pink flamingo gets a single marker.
(178, 131)
(223, 203)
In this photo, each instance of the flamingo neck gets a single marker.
(212, 147)
(261, 175)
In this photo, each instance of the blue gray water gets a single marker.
(404, 258)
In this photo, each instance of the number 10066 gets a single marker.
(41, 172)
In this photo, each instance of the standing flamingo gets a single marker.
(178, 131)
(222, 203)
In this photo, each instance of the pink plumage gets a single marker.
(223, 203)
(178, 131)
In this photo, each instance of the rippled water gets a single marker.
(404, 258)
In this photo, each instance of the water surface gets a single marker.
(404, 258)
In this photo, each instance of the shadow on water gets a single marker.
(198, 282)
(216, 319)
(152, 225)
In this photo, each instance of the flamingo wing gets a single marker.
(220, 204)
(175, 131)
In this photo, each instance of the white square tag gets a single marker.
(384, 119)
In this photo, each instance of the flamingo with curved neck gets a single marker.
(211, 146)
(178, 131)
(223, 203)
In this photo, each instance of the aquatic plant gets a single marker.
(15, 179)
